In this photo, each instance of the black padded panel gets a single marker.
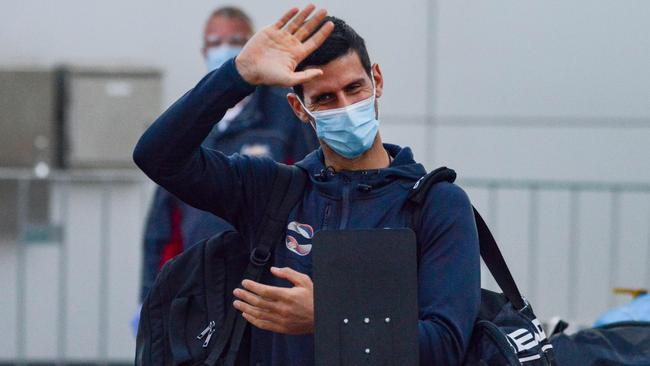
(361, 274)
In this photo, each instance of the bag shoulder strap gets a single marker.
(489, 249)
(288, 188)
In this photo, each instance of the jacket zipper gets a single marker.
(207, 331)
(345, 204)
(326, 216)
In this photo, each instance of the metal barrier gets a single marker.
(117, 198)
(54, 228)
(497, 188)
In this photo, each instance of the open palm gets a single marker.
(271, 56)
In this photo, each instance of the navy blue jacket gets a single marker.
(237, 187)
(266, 126)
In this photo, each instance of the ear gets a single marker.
(294, 102)
(379, 80)
(204, 52)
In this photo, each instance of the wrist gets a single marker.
(244, 71)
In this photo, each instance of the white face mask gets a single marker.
(349, 131)
(217, 56)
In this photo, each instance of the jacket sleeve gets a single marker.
(448, 276)
(170, 151)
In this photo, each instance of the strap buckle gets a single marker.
(257, 259)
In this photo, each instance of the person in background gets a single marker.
(262, 124)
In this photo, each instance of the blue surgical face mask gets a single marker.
(349, 131)
(217, 56)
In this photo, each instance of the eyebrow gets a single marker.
(357, 81)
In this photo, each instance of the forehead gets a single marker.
(226, 27)
(336, 75)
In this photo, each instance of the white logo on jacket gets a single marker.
(256, 150)
(292, 243)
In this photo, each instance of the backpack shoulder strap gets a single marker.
(418, 194)
(288, 188)
(496, 263)
(488, 246)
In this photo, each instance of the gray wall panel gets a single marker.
(592, 288)
(83, 240)
(124, 266)
(41, 312)
(560, 153)
(8, 346)
(550, 58)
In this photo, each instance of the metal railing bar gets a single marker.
(572, 257)
(493, 215)
(533, 240)
(21, 261)
(104, 252)
(78, 175)
(614, 242)
(647, 267)
(62, 329)
(554, 185)
(511, 121)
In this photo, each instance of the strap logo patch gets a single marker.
(522, 339)
(417, 184)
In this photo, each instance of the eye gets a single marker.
(353, 88)
(238, 40)
(321, 99)
(215, 43)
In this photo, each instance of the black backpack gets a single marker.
(187, 317)
(506, 331)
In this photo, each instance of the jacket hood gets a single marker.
(403, 168)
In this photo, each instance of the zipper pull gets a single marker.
(209, 328)
(207, 339)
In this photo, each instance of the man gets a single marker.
(261, 124)
(356, 181)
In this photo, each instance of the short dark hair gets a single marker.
(340, 42)
(232, 12)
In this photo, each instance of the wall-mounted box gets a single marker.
(76, 117)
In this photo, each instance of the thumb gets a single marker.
(304, 76)
(291, 275)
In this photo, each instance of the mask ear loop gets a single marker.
(312, 119)
(374, 94)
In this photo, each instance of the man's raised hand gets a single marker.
(271, 56)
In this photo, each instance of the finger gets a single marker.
(263, 324)
(300, 19)
(265, 291)
(317, 39)
(253, 299)
(311, 25)
(250, 309)
(258, 312)
(286, 18)
(291, 275)
(304, 76)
